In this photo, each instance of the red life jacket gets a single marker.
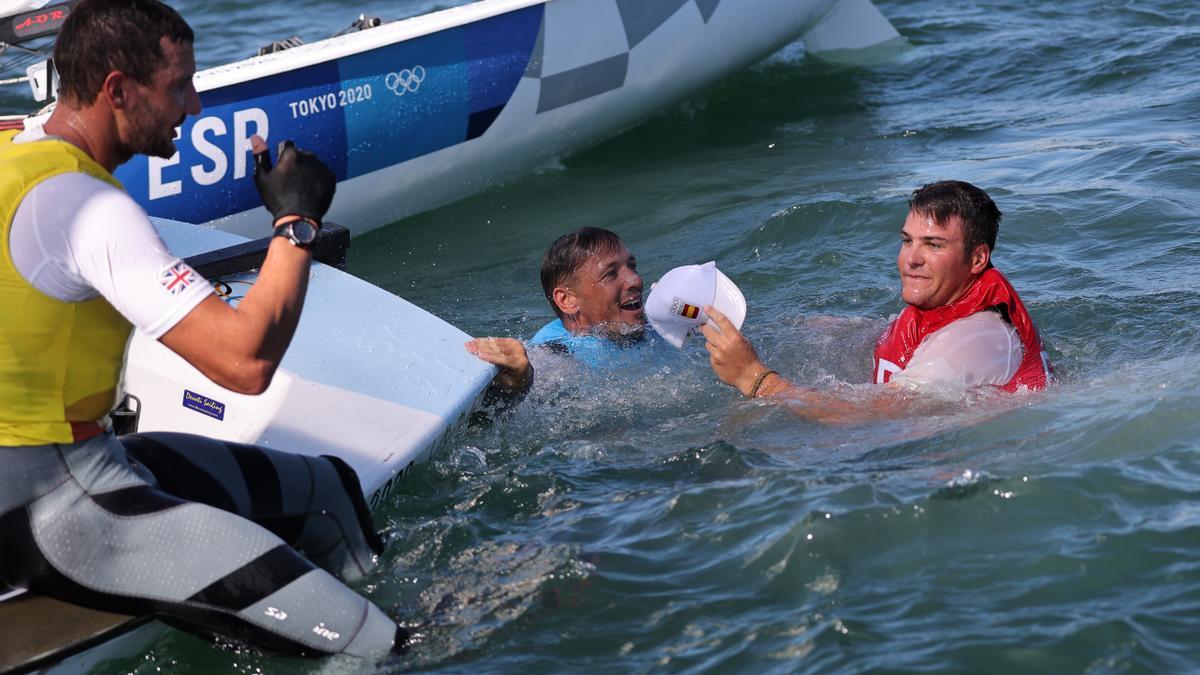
(990, 291)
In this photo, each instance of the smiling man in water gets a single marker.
(591, 281)
(964, 324)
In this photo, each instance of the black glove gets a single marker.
(299, 185)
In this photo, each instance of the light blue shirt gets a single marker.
(593, 350)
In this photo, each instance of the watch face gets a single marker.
(304, 232)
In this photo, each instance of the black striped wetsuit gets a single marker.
(201, 533)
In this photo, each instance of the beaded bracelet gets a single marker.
(758, 382)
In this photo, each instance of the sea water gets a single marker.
(651, 520)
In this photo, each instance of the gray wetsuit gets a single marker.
(203, 534)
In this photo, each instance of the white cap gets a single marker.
(676, 303)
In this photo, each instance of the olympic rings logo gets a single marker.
(406, 81)
(225, 290)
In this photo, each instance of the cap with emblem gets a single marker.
(675, 307)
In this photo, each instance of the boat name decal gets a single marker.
(203, 405)
(330, 101)
(43, 22)
(359, 113)
(406, 80)
(246, 123)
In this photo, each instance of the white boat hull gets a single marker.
(369, 377)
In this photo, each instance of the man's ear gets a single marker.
(565, 300)
(114, 89)
(980, 257)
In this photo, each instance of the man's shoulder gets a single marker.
(78, 187)
(982, 323)
(80, 203)
(974, 350)
(591, 350)
(554, 331)
(49, 156)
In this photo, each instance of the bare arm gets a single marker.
(240, 347)
(736, 363)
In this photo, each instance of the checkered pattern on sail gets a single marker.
(574, 66)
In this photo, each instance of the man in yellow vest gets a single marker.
(201, 533)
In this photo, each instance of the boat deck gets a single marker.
(51, 630)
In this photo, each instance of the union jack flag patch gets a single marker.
(177, 277)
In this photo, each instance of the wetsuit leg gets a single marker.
(315, 504)
(101, 536)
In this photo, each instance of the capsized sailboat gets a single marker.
(417, 113)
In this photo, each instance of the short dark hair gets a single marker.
(568, 253)
(943, 199)
(102, 36)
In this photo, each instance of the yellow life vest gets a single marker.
(60, 362)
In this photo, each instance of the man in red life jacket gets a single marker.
(964, 325)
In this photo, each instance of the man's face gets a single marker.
(154, 110)
(934, 266)
(608, 294)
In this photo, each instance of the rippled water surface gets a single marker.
(650, 520)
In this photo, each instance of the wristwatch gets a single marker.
(302, 232)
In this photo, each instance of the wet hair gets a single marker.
(102, 36)
(947, 198)
(568, 253)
